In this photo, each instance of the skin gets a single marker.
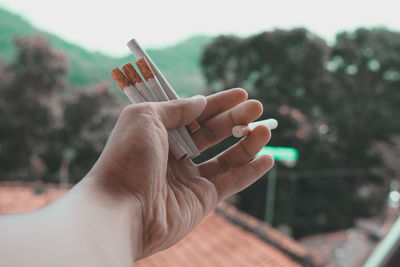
(138, 199)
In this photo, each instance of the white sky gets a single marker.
(106, 26)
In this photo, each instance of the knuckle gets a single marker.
(242, 91)
(256, 106)
(147, 108)
(144, 113)
(245, 151)
(128, 109)
(223, 163)
(232, 118)
(150, 108)
(177, 109)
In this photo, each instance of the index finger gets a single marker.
(222, 101)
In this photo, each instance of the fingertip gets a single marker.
(203, 101)
(262, 131)
(265, 161)
(241, 93)
(200, 102)
(180, 112)
(259, 106)
(256, 107)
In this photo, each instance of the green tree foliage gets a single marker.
(332, 103)
(366, 66)
(42, 116)
(26, 99)
(87, 119)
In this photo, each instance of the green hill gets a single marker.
(179, 63)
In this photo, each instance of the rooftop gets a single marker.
(226, 237)
(353, 246)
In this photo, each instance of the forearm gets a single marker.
(87, 227)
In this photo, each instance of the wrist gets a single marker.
(107, 217)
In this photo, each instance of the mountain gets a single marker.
(179, 63)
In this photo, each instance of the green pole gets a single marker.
(270, 197)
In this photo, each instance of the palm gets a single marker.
(187, 197)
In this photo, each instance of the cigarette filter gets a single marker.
(243, 130)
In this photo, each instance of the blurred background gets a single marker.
(329, 73)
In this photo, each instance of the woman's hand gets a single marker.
(173, 195)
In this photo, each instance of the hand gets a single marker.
(173, 195)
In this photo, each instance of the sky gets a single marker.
(106, 26)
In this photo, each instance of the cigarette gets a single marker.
(138, 52)
(137, 81)
(161, 95)
(120, 78)
(151, 80)
(176, 148)
(123, 82)
(243, 130)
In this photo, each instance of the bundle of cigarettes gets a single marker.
(154, 87)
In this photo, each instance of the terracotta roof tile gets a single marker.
(350, 247)
(217, 241)
(17, 198)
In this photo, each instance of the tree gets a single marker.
(26, 118)
(366, 64)
(332, 104)
(87, 119)
(43, 119)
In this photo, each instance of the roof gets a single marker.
(216, 242)
(24, 197)
(350, 247)
(353, 246)
(226, 237)
(229, 237)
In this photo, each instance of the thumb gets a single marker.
(180, 112)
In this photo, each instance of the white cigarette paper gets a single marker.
(242, 130)
(160, 95)
(138, 52)
(135, 97)
(142, 88)
(270, 123)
